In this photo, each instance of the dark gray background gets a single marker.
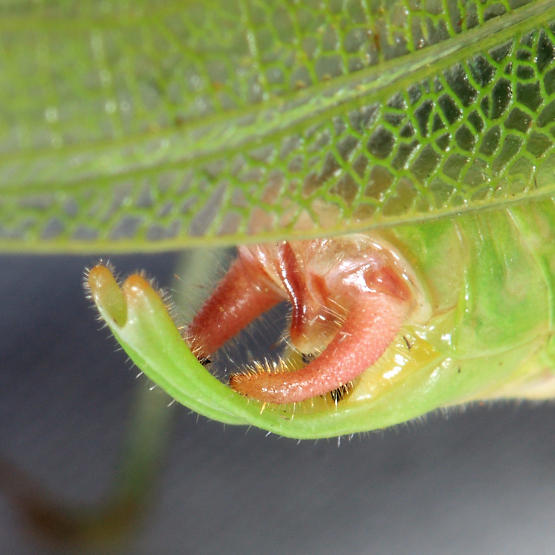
(480, 481)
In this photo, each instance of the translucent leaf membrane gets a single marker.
(148, 125)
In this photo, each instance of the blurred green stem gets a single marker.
(110, 521)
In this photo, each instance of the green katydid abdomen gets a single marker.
(480, 311)
(489, 279)
(482, 328)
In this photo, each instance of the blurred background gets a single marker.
(479, 480)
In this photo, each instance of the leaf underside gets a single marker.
(145, 125)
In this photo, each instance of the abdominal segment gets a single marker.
(349, 297)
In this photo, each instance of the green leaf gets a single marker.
(143, 125)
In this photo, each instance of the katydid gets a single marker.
(468, 321)
(424, 134)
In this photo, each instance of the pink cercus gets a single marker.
(349, 298)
